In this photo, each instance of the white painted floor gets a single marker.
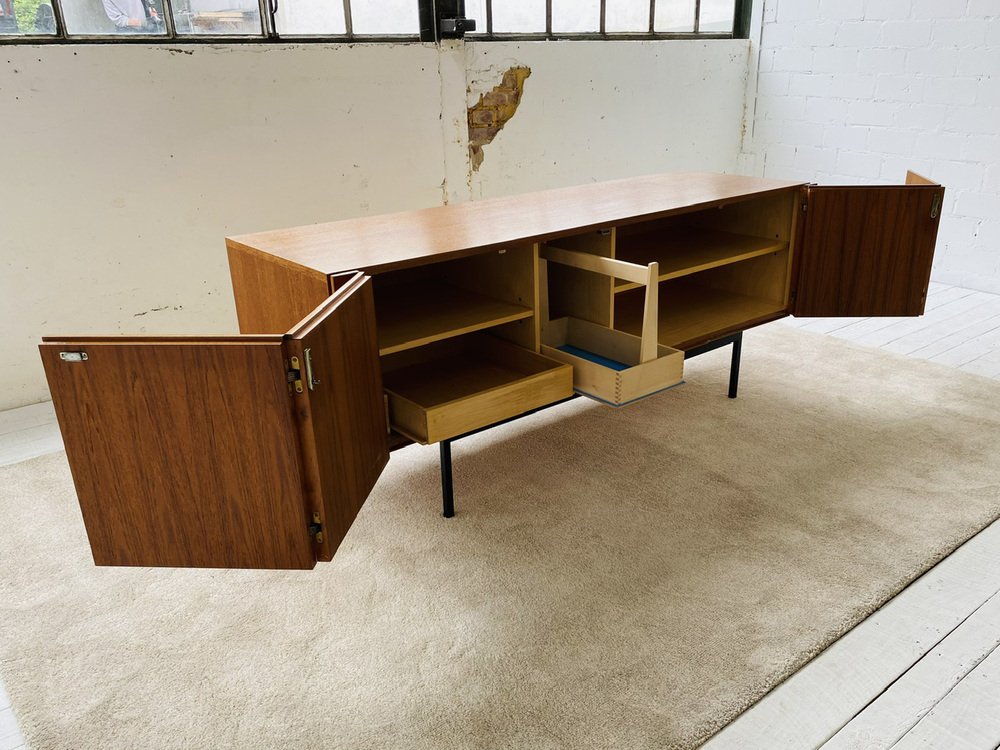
(922, 672)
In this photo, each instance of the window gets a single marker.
(606, 18)
(365, 20)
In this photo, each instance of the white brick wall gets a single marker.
(859, 91)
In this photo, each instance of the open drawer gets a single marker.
(610, 365)
(443, 390)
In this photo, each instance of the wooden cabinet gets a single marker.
(258, 450)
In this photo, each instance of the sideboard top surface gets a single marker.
(399, 240)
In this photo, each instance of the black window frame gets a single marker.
(431, 14)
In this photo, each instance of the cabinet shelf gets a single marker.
(687, 250)
(428, 312)
(692, 313)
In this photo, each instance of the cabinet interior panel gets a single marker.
(507, 274)
(510, 275)
(769, 216)
(691, 313)
(432, 311)
(687, 250)
(577, 293)
(763, 277)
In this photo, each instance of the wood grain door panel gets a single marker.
(866, 251)
(341, 414)
(184, 452)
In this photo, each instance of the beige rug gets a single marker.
(615, 578)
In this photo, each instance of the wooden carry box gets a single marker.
(609, 365)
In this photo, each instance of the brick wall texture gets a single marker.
(859, 91)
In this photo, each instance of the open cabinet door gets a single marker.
(189, 451)
(866, 251)
(340, 407)
(183, 450)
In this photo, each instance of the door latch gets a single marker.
(313, 382)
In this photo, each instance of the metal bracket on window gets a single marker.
(443, 19)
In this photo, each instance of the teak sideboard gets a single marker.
(257, 450)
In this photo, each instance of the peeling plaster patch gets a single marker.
(494, 110)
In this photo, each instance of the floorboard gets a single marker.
(967, 718)
(921, 689)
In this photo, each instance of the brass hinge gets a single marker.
(316, 528)
(294, 375)
(805, 206)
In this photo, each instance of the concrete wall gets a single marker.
(859, 91)
(123, 167)
(603, 110)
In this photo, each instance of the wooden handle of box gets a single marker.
(647, 276)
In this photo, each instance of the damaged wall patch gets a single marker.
(493, 110)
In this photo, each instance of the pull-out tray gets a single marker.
(443, 390)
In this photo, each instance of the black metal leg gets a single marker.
(734, 367)
(736, 339)
(447, 491)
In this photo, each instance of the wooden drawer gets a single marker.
(606, 363)
(444, 390)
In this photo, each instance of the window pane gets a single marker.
(519, 15)
(385, 16)
(575, 15)
(476, 9)
(716, 15)
(627, 15)
(674, 15)
(26, 17)
(216, 17)
(113, 17)
(310, 17)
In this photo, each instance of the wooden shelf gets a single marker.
(427, 312)
(686, 250)
(691, 313)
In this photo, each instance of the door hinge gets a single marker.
(805, 206)
(316, 528)
(294, 375)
